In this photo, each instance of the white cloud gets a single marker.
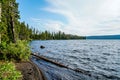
(49, 25)
(86, 17)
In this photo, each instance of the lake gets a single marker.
(100, 58)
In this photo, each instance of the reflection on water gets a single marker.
(100, 57)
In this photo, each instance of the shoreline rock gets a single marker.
(42, 47)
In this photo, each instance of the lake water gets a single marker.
(101, 58)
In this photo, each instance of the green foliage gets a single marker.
(46, 35)
(8, 72)
(18, 51)
(24, 31)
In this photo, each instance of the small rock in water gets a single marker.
(42, 47)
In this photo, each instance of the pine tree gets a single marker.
(0, 21)
(10, 16)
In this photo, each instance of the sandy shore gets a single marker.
(30, 71)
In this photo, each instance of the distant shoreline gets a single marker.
(104, 37)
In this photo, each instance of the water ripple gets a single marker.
(99, 57)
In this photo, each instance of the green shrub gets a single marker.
(8, 71)
(18, 51)
(3, 50)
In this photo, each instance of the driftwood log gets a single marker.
(48, 60)
(61, 65)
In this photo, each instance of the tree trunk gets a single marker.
(13, 29)
(0, 20)
(0, 11)
(0, 38)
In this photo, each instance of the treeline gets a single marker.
(46, 35)
(27, 33)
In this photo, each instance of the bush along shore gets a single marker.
(15, 63)
(10, 54)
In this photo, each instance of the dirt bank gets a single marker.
(30, 71)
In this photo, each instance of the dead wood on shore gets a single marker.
(61, 65)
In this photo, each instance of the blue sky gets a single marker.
(81, 17)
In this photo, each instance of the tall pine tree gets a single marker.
(10, 16)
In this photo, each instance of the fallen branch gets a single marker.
(48, 60)
(61, 65)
